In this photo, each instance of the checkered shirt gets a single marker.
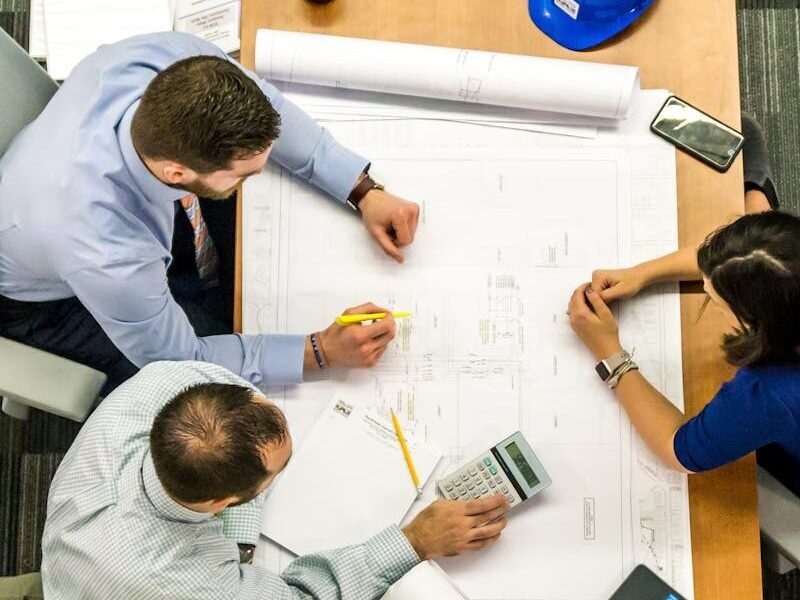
(112, 532)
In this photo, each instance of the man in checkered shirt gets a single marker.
(133, 509)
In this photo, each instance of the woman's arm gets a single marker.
(614, 284)
(653, 416)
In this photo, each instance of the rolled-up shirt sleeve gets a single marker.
(309, 150)
(132, 303)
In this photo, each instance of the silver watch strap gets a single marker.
(624, 368)
(615, 361)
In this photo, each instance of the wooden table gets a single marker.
(686, 46)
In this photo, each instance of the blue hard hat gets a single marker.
(582, 24)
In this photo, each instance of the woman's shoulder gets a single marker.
(774, 382)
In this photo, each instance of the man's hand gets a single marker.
(450, 527)
(358, 345)
(392, 221)
(616, 284)
(591, 319)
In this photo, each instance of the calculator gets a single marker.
(509, 468)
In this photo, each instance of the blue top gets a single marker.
(759, 406)
(81, 215)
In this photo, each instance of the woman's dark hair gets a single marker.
(754, 266)
(207, 442)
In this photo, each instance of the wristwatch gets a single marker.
(605, 368)
(365, 184)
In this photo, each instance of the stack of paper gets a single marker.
(63, 32)
(347, 481)
(75, 28)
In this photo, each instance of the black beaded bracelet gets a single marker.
(317, 348)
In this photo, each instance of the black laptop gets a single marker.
(643, 584)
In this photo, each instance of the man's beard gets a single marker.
(203, 191)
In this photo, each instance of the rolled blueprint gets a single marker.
(544, 84)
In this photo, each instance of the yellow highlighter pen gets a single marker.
(351, 319)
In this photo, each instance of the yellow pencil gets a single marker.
(398, 430)
(350, 319)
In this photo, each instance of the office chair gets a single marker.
(779, 516)
(31, 377)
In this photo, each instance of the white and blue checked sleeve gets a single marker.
(242, 523)
(359, 572)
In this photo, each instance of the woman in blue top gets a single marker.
(752, 269)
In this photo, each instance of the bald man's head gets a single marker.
(212, 441)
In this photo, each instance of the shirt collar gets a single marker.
(152, 188)
(161, 501)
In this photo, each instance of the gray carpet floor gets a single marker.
(769, 71)
(769, 50)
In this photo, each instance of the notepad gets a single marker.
(216, 21)
(346, 482)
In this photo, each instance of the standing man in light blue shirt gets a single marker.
(130, 514)
(116, 246)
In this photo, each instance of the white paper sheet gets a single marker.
(348, 480)
(426, 581)
(216, 21)
(75, 28)
(338, 104)
(37, 45)
(511, 223)
(472, 76)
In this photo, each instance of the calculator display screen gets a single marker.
(522, 464)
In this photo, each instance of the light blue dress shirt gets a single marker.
(113, 532)
(81, 215)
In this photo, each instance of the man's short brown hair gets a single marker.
(207, 443)
(203, 112)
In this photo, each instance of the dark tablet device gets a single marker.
(643, 584)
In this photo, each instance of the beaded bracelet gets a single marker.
(629, 365)
(319, 355)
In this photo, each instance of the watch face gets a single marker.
(602, 371)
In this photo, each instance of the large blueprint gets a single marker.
(511, 222)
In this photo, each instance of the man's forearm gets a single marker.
(677, 266)
(360, 571)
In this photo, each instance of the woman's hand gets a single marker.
(592, 320)
(616, 284)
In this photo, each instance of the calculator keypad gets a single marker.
(478, 479)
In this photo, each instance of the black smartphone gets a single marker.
(643, 584)
(697, 133)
